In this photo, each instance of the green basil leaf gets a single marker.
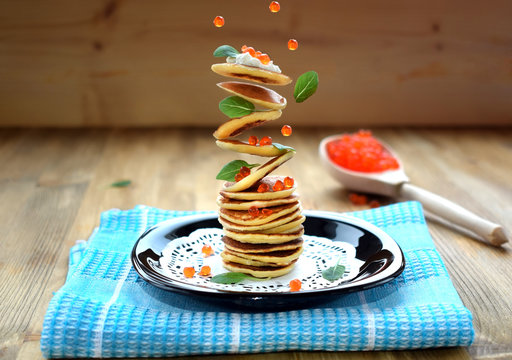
(235, 106)
(305, 86)
(229, 170)
(122, 183)
(283, 147)
(225, 50)
(229, 278)
(333, 273)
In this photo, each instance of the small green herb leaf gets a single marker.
(122, 183)
(283, 147)
(230, 278)
(305, 86)
(229, 170)
(225, 50)
(333, 273)
(235, 106)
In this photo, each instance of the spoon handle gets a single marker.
(488, 231)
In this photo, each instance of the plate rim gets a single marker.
(394, 270)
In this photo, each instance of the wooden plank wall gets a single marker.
(146, 63)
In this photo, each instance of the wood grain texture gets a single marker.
(147, 63)
(55, 183)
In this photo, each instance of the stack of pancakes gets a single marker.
(267, 242)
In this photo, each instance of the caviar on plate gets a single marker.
(361, 152)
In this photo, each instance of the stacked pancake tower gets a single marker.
(260, 213)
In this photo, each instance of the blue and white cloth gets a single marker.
(106, 310)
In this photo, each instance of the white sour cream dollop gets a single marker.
(247, 59)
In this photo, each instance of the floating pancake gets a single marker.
(259, 173)
(228, 224)
(245, 148)
(239, 246)
(251, 73)
(256, 94)
(282, 257)
(259, 238)
(259, 271)
(253, 194)
(243, 217)
(236, 126)
(232, 204)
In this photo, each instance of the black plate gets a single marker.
(382, 259)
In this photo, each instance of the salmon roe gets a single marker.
(361, 152)
(263, 188)
(253, 140)
(205, 271)
(267, 212)
(266, 140)
(288, 182)
(207, 250)
(262, 57)
(274, 6)
(189, 272)
(245, 171)
(218, 21)
(278, 186)
(254, 211)
(295, 285)
(293, 44)
(286, 130)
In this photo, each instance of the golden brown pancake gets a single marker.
(227, 224)
(245, 148)
(259, 238)
(227, 256)
(236, 126)
(259, 173)
(253, 194)
(281, 257)
(293, 225)
(256, 94)
(259, 271)
(244, 217)
(227, 203)
(238, 246)
(251, 73)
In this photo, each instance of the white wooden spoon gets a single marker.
(395, 183)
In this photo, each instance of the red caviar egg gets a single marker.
(245, 171)
(266, 140)
(205, 270)
(189, 272)
(249, 50)
(267, 212)
(253, 140)
(263, 188)
(293, 44)
(274, 6)
(286, 130)
(207, 250)
(254, 211)
(361, 152)
(218, 21)
(295, 285)
(288, 182)
(278, 186)
(238, 177)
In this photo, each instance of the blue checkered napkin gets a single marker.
(105, 310)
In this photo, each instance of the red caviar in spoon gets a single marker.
(361, 152)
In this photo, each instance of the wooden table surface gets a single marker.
(55, 183)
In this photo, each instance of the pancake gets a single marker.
(245, 148)
(259, 173)
(243, 217)
(251, 73)
(255, 93)
(292, 226)
(236, 126)
(259, 271)
(230, 257)
(282, 257)
(227, 224)
(238, 246)
(226, 203)
(259, 238)
(253, 194)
